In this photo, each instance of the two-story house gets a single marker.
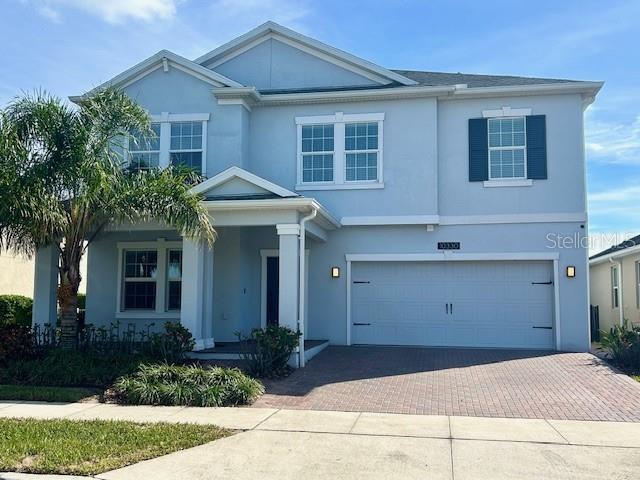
(358, 204)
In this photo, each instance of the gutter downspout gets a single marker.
(301, 285)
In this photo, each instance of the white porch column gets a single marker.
(194, 291)
(45, 286)
(288, 282)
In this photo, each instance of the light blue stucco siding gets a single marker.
(274, 65)
(328, 298)
(178, 92)
(562, 192)
(409, 156)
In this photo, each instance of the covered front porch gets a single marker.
(255, 274)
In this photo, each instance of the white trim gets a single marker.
(505, 182)
(343, 186)
(288, 229)
(314, 47)
(237, 172)
(161, 246)
(180, 117)
(264, 254)
(513, 218)
(619, 253)
(157, 61)
(339, 120)
(391, 220)
(450, 256)
(296, 203)
(340, 117)
(442, 93)
(556, 302)
(507, 112)
(204, 343)
(234, 101)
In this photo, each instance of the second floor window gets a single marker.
(186, 144)
(175, 139)
(317, 153)
(340, 151)
(507, 148)
(144, 150)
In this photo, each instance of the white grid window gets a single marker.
(507, 148)
(361, 147)
(144, 150)
(139, 281)
(317, 153)
(186, 144)
(615, 289)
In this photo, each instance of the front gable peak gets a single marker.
(285, 45)
(237, 183)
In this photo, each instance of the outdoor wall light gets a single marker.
(571, 271)
(335, 272)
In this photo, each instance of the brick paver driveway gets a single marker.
(488, 383)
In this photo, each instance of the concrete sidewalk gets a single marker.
(288, 444)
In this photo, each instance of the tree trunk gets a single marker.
(68, 294)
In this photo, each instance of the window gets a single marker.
(174, 279)
(144, 151)
(186, 144)
(361, 146)
(507, 148)
(150, 283)
(178, 139)
(340, 151)
(140, 272)
(317, 153)
(615, 290)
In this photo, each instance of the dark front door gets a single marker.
(273, 289)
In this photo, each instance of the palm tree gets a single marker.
(62, 181)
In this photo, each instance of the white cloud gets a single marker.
(112, 11)
(613, 142)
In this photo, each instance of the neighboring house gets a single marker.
(359, 204)
(17, 274)
(615, 283)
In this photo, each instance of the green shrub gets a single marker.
(82, 301)
(163, 384)
(16, 342)
(173, 343)
(267, 351)
(623, 344)
(71, 368)
(15, 309)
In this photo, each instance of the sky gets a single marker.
(69, 46)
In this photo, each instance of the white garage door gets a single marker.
(467, 304)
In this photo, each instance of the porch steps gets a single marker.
(233, 351)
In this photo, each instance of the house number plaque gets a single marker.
(448, 245)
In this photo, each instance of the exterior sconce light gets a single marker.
(571, 271)
(335, 272)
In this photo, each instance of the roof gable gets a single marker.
(236, 182)
(271, 30)
(166, 60)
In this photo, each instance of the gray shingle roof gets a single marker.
(631, 242)
(435, 79)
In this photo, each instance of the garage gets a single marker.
(499, 304)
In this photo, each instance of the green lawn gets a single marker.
(91, 447)
(45, 394)
(636, 377)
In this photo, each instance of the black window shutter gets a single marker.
(478, 150)
(536, 147)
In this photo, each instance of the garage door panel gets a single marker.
(495, 304)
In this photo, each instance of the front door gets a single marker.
(273, 289)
